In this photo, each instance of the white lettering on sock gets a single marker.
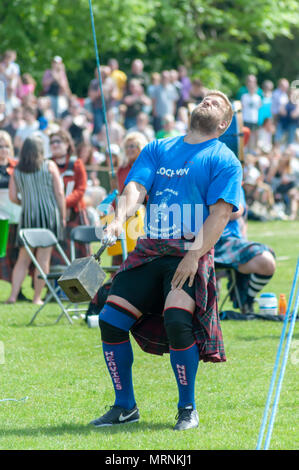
(181, 369)
(109, 356)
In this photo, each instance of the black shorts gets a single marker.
(147, 286)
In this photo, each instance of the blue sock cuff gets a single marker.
(116, 317)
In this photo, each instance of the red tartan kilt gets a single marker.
(149, 331)
(7, 264)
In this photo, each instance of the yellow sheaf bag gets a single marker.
(133, 228)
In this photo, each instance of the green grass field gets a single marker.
(61, 370)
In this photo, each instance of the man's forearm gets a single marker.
(129, 201)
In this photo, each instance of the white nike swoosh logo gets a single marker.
(123, 418)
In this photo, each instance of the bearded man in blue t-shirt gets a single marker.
(165, 291)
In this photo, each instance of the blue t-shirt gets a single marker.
(182, 181)
(233, 228)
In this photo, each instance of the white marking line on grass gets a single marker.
(14, 399)
(283, 258)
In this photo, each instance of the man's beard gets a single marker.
(206, 121)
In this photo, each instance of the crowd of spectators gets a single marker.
(139, 108)
(271, 162)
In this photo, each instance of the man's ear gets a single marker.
(222, 126)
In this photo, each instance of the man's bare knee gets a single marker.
(268, 263)
(263, 264)
(180, 299)
(125, 304)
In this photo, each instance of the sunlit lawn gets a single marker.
(61, 370)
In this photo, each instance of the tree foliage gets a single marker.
(220, 41)
(40, 29)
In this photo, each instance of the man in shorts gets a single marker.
(165, 291)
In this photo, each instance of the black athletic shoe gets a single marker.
(117, 415)
(187, 418)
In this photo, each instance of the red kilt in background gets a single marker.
(149, 331)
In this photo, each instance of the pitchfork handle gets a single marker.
(100, 251)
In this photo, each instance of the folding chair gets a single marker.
(229, 271)
(43, 238)
(88, 234)
(84, 234)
